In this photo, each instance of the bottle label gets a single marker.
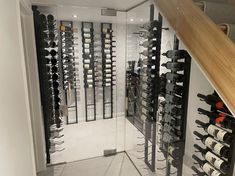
(209, 170)
(217, 132)
(214, 145)
(214, 160)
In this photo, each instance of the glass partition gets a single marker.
(90, 73)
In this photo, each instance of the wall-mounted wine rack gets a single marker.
(174, 114)
(151, 91)
(69, 65)
(89, 68)
(47, 55)
(218, 136)
(108, 69)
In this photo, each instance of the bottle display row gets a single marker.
(49, 74)
(216, 136)
(172, 118)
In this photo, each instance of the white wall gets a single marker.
(16, 149)
(34, 88)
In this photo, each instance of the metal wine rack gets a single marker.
(47, 56)
(174, 112)
(69, 65)
(150, 88)
(230, 127)
(89, 68)
(108, 69)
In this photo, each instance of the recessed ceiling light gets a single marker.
(141, 19)
(131, 19)
(75, 16)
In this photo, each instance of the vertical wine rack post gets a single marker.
(70, 76)
(107, 68)
(175, 108)
(47, 56)
(89, 66)
(152, 90)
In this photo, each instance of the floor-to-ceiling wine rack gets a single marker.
(70, 72)
(150, 105)
(108, 69)
(174, 114)
(47, 55)
(89, 68)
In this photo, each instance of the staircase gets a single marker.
(212, 50)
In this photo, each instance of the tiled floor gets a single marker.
(117, 165)
(89, 139)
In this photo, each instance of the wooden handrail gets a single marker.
(208, 45)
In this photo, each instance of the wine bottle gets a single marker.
(174, 88)
(176, 54)
(174, 162)
(105, 30)
(55, 84)
(198, 172)
(174, 77)
(53, 52)
(221, 119)
(87, 41)
(87, 30)
(214, 145)
(145, 34)
(55, 76)
(174, 151)
(54, 69)
(173, 109)
(147, 44)
(175, 122)
(218, 133)
(87, 35)
(217, 162)
(213, 101)
(107, 41)
(150, 25)
(173, 99)
(54, 61)
(174, 66)
(206, 167)
(50, 18)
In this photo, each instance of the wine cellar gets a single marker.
(118, 88)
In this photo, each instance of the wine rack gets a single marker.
(49, 77)
(108, 69)
(150, 88)
(89, 68)
(69, 65)
(217, 136)
(174, 112)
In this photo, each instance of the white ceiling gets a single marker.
(116, 4)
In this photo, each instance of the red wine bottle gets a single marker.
(214, 145)
(217, 162)
(217, 132)
(213, 101)
(206, 167)
(219, 118)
